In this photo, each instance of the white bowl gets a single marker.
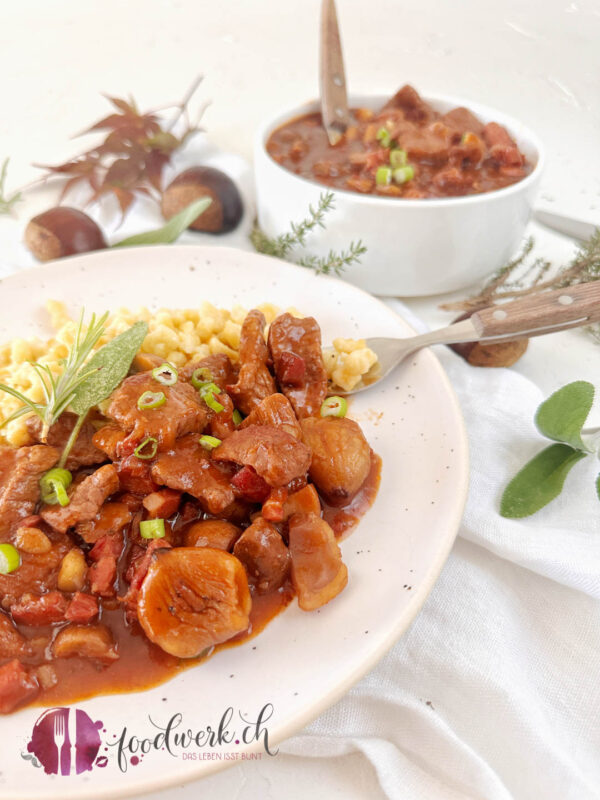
(414, 247)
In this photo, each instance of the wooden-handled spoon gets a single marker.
(535, 315)
(334, 99)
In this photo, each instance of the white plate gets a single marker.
(302, 662)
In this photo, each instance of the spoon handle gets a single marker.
(538, 314)
(334, 101)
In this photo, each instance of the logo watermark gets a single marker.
(66, 741)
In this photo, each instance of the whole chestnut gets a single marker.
(484, 354)
(62, 231)
(226, 209)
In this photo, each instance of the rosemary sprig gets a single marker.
(82, 384)
(60, 391)
(6, 203)
(282, 245)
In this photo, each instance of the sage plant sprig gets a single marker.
(560, 418)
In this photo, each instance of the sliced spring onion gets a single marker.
(236, 416)
(201, 376)
(212, 402)
(10, 560)
(403, 174)
(165, 374)
(147, 448)
(54, 485)
(151, 400)
(210, 387)
(208, 390)
(209, 442)
(152, 529)
(398, 158)
(383, 176)
(384, 136)
(334, 406)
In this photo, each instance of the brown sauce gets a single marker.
(142, 664)
(342, 520)
(444, 163)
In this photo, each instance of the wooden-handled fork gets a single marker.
(534, 315)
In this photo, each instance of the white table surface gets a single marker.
(536, 60)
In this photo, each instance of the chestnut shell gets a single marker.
(486, 354)
(226, 209)
(62, 231)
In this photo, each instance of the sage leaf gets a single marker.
(598, 486)
(562, 416)
(172, 230)
(539, 481)
(110, 365)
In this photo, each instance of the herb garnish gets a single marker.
(282, 245)
(6, 203)
(82, 384)
(524, 276)
(560, 418)
(172, 229)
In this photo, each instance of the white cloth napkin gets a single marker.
(494, 692)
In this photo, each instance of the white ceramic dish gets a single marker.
(301, 663)
(414, 247)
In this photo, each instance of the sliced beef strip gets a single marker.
(135, 475)
(40, 609)
(265, 557)
(462, 120)
(222, 371)
(302, 338)
(275, 455)
(20, 487)
(108, 438)
(183, 412)
(85, 500)
(12, 643)
(412, 104)
(188, 468)
(275, 410)
(17, 685)
(8, 459)
(83, 453)
(111, 517)
(255, 381)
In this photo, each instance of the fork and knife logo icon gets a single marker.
(66, 741)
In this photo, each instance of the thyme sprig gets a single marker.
(523, 276)
(282, 246)
(7, 203)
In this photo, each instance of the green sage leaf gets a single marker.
(562, 416)
(173, 229)
(110, 365)
(539, 481)
(598, 486)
